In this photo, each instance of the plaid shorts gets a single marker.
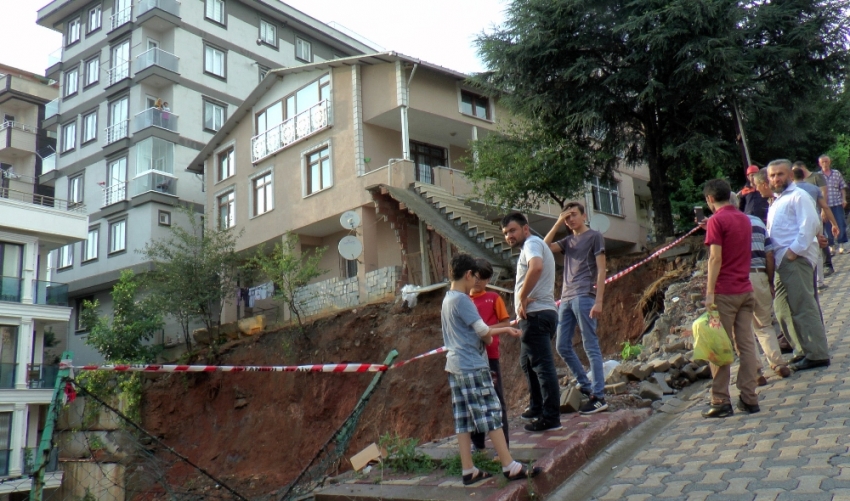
(475, 406)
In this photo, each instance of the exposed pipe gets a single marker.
(405, 132)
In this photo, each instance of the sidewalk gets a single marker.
(796, 448)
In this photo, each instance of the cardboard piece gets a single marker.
(362, 458)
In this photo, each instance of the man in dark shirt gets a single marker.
(749, 199)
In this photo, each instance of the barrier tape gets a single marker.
(66, 364)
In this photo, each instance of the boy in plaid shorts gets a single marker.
(475, 406)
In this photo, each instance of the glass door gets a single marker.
(117, 183)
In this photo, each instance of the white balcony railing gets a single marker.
(170, 6)
(48, 164)
(155, 117)
(114, 193)
(120, 18)
(157, 57)
(18, 125)
(117, 131)
(154, 181)
(51, 109)
(54, 57)
(117, 73)
(306, 123)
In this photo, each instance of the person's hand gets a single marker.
(790, 255)
(523, 303)
(709, 302)
(596, 311)
(844, 203)
(835, 232)
(514, 332)
(823, 242)
(772, 290)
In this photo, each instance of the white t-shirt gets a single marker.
(542, 297)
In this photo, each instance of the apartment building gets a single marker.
(33, 304)
(384, 136)
(144, 85)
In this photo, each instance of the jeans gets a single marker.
(496, 373)
(538, 364)
(838, 212)
(577, 311)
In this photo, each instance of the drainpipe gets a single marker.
(405, 133)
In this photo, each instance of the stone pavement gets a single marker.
(796, 448)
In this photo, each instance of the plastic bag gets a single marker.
(711, 341)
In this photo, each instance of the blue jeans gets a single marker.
(538, 363)
(838, 212)
(577, 311)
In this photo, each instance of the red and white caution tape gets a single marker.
(621, 274)
(441, 349)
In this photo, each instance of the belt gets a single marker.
(758, 270)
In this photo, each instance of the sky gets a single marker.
(438, 31)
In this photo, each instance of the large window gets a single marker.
(154, 154)
(263, 197)
(90, 245)
(606, 197)
(303, 50)
(268, 33)
(66, 256)
(11, 270)
(92, 72)
(73, 34)
(295, 103)
(319, 174)
(75, 189)
(226, 163)
(426, 157)
(117, 236)
(215, 61)
(214, 115)
(214, 11)
(226, 210)
(69, 136)
(475, 105)
(72, 81)
(89, 127)
(94, 19)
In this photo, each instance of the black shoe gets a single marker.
(796, 359)
(748, 408)
(718, 411)
(593, 406)
(828, 271)
(585, 391)
(543, 425)
(806, 364)
(530, 415)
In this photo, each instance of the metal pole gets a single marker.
(743, 136)
(42, 457)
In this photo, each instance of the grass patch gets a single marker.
(402, 455)
(482, 460)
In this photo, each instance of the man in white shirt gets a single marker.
(792, 224)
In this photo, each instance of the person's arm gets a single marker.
(828, 216)
(554, 246)
(596, 311)
(715, 257)
(532, 276)
(841, 186)
(770, 267)
(808, 222)
(496, 331)
(501, 313)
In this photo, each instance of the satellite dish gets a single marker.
(600, 223)
(349, 220)
(350, 247)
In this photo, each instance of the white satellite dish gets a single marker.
(349, 220)
(350, 247)
(600, 223)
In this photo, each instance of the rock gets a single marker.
(230, 330)
(652, 342)
(616, 377)
(646, 369)
(690, 372)
(704, 372)
(678, 361)
(659, 380)
(570, 400)
(644, 403)
(240, 403)
(674, 347)
(689, 355)
(650, 390)
(252, 325)
(617, 389)
(695, 298)
(201, 336)
(635, 371)
(660, 365)
(657, 405)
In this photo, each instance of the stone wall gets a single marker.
(338, 293)
(381, 282)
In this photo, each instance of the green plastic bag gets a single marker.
(711, 341)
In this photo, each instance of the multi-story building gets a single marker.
(386, 137)
(33, 305)
(144, 85)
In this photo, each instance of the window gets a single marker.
(214, 11)
(78, 310)
(474, 105)
(214, 114)
(94, 19)
(426, 157)
(226, 163)
(319, 170)
(263, 71)
(349, 267)
(73, 33)
(268, 33)
(69, 136)
(75, 189)
(164, 218)
(226, 213)
(66, 256)
(116, 181)
(89, 127)
(120, 61)
(118, 119)
(117, 236)
(606, 197)
(263, 197)
(90, 245)
(301, 100)
(214, 61)
(92, 72)
(303, 50)
(154, 154)
(72, 79)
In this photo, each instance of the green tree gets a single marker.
(289, 271)
(194, 273)
(652, 81)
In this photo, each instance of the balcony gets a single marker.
(117, 73)
(41, 376)
(29, 460)
(51, 109)
(279, 137)
(50, 293)
(114, 193)
(155, 117)
(120, 18)
(157, 57)
(154, 181)
(54, 64)
(48, 164)
(158, 14)
(21, 137)
(117, 131)
(7, 376)
(43, 215)
(11, 289)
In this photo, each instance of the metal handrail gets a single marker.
(45, 201)
(8, 124)
(278, 137)
(121, 17)
(118, 72)
(116, 131)
(114, 193)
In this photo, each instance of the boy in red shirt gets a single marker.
(494, 313)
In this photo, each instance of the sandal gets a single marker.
(475, 477)
(527, 472)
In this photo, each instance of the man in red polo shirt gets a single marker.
(728, 235)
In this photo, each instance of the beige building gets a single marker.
(385, 136)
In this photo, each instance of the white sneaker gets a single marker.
(841, 249)
(831, 250)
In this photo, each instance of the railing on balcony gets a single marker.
(154, 181)
(7, 376)
(51, 109)
(120, 18)
(117, 73)
(170, 6)
(18, 125)
(48, 163)
(36, 199)
(280, 136)
(155, 117)
(157, 57)
(117, 131)
(114, 193)
(29, 460)
(54, 57)
(41, 376)
(11, 289)
(50, 293)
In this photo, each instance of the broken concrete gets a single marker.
(650, 390)
(570, 400)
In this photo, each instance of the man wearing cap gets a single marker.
(750, 201)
